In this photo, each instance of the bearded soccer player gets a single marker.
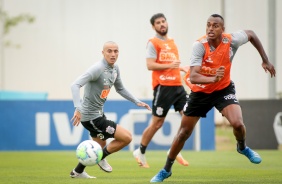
(162, 59)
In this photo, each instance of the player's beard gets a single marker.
(162, 33)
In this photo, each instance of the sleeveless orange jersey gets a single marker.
(212, 60)
(167, 52)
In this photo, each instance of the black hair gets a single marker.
(217, 15)
(156, 16)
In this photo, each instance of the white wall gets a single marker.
(68, 35)
(250, 79)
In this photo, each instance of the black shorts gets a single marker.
(165, 97)
(199, 104)
(100, 128)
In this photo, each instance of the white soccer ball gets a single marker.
(89, 153)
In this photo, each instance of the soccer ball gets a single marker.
(89, 153)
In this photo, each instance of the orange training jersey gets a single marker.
(167, 52)
(212, 60)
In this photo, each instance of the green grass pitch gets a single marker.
(205, 167)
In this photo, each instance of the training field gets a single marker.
(205, 167)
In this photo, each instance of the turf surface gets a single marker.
(205, 167)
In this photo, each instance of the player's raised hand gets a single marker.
(142, 104)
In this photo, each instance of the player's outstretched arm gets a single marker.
(142, 104)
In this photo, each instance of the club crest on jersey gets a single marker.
(106, 82)
(159, 111)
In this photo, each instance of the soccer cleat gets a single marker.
(180, 159)
(162, 174)
(140, 158)
(74, 174)
(250, 154)
(105, 166)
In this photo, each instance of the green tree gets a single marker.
(9, 22)
(6, 24)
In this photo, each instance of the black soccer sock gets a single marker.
(168, 164)
(105, 152)
(79, 168)
(241, 144)
(143, 148)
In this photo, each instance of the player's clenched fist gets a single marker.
(219, 73)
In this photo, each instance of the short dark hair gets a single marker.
(156, 16)
(217, 15)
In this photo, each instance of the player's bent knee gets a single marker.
(238, 126)
(123, 135)
(127, 138)
(156, 125)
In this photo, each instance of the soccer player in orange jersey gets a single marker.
(211, 86)
(163, 60)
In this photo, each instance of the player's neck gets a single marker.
(215, 42)
(163, 37)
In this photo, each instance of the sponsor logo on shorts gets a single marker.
(100, 136)
(231, 97)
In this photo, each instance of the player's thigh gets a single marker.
(122, 134)
(233, 114)
(180, 99)
(197, 105)
(100, 128)
(189, 122)
(164, 98)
